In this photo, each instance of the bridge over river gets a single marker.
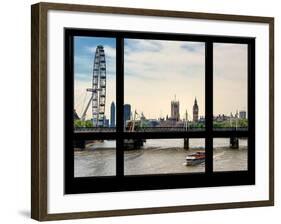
(234, 141)
(154, 129)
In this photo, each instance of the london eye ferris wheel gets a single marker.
(98, 90)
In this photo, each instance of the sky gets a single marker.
(230, 77)
(84, 53)
(156, 72)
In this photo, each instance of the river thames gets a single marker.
(158, 156)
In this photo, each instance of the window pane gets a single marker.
(94, 84)
(230, 154)
(164, 85)
(94, 158)
(230, 86)
(164, 156)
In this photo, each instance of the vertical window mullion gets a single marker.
(209, 106)
(68, 122)
(251, 106)
(119, 105)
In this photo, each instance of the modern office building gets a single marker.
(242, 114)
(127, 112)
(112, 115)
(106, 123)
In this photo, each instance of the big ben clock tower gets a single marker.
(195, 111)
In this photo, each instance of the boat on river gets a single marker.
(195, 158)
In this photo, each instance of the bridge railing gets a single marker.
(94, 129)
(231, 129)
(158, 129)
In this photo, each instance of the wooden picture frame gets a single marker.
(39, 108)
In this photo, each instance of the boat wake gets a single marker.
(218, 155)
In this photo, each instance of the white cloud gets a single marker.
(142, 45)
(170, 58)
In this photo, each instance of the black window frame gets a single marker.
(122, 182)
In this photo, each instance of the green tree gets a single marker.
(80, 124)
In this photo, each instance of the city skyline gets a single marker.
(158, 70)
(241, 113)
(155, 71)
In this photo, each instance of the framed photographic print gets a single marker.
(134, 104)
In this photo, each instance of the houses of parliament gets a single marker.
(175, 110)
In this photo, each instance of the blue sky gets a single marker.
(84, 51)
(157, 71)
